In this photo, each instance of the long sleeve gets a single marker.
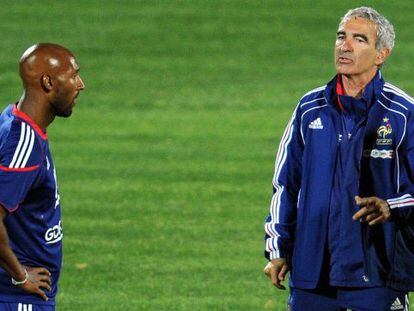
(404, 198)
(281, 221)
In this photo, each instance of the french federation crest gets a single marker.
(383, 133)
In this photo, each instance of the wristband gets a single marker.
(14, 282)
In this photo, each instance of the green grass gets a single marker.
(165, 166)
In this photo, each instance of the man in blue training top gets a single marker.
(342, 215)
(30, 226)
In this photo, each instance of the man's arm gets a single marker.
(30, 279)
(281, 222)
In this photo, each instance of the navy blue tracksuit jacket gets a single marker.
(330, 152)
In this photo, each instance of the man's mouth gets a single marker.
(74, 98)
(344, 60)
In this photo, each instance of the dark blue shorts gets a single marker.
(18, 306)
(341, 299)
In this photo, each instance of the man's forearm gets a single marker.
(8, 260)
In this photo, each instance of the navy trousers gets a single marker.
(343, 298)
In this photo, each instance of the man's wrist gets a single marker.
(26, 277)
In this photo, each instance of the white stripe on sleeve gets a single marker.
(29, 150)
(19, 145)
(24, 148)
(400, 198)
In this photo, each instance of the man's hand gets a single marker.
(277, 270)
(373, 210)
(38, 278)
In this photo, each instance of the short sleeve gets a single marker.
(20, 159)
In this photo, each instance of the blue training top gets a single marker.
(334, 148)
(29, 192)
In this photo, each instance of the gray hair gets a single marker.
(385, 30)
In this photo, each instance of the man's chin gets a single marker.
(344, 71)
(65, 114)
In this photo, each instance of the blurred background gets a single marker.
(165, 166)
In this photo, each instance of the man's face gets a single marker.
(355, 52)
(68, 86)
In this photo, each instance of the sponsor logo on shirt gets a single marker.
(54, 234)
(383, 131)
(375, 153)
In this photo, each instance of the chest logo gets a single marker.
(383, 132)
(316, 124)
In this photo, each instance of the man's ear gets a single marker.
(46, 82)
(382, 56)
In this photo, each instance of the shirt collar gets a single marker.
(26, 118)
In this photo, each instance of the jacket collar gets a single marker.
(370, 94)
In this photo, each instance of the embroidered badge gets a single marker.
(383, 131)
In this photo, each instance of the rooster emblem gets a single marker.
(384, 130)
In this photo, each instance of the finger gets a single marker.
(275, 280)
(361, 213)
(283, 272)
(362, 201)
(266, 269)
(273, 275)
(365, 201)
(43, 271)
(372, 216)
(45, 286)
(377, 220)
(365, 211)
(38, 270)
(42, 294)
(44, 278)
(279, 285)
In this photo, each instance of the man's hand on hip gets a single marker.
(277, 270)
(37, 279)
(373, 210)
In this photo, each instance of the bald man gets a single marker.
(30, 226)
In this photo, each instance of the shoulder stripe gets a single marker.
(24, 147)
(407, 98)
(19, 145)
(29, 150)
(393, 101)
(23, 151)
(318, 89)
(393, 89)
(311, 101)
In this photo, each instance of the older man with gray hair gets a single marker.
(342, 214)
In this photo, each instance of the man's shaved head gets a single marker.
(44, 59)
(50, 75)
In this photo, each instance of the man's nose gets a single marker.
(81, 85)
(347, 45)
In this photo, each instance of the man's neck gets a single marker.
(41, 116)
(354, 85)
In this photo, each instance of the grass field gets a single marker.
(165, 166)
